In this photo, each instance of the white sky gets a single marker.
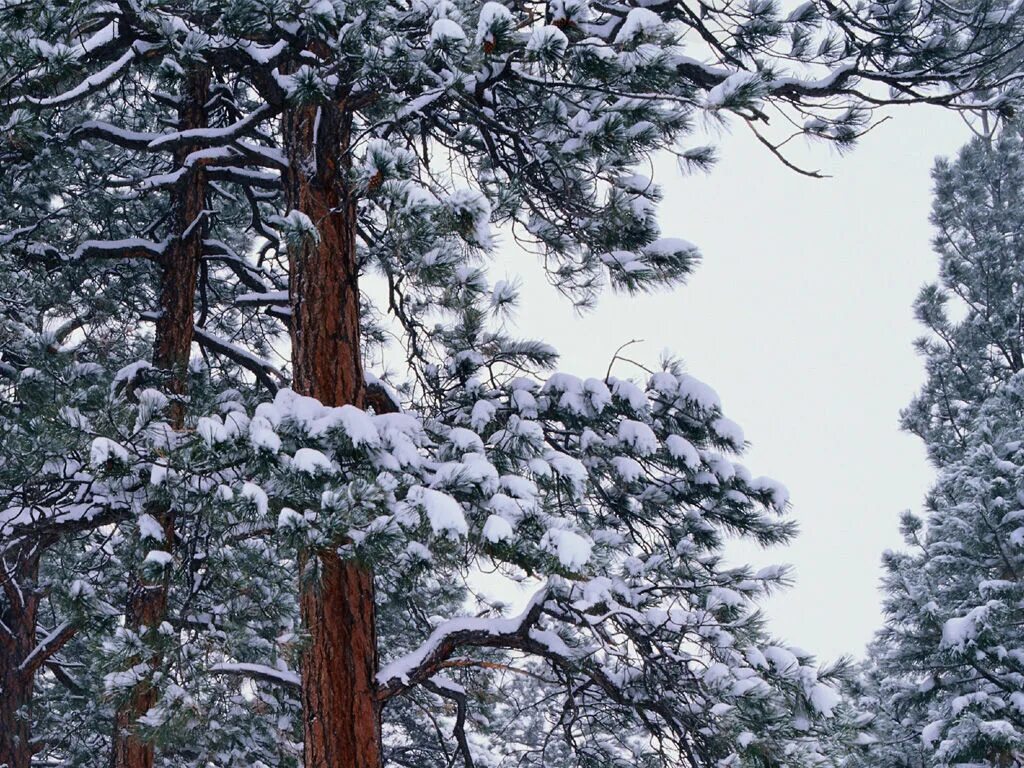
(800, 318)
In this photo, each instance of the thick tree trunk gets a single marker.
(18, 609)
(339, 662)
(341, 717)
(147, 601)
(323, 273)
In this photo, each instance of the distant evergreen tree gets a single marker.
(946, 670)
(974, 314)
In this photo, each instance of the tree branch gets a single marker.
(259, 672)
(414, 668)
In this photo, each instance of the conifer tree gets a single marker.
(945, 669)
(65, 225)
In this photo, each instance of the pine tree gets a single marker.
(47, 384)
(130, 251)
(945, 667)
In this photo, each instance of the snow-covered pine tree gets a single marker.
(43, 386)
(535, 172)
(976, 214)
(946, 668)
(46, 385)
(91, 196)
(403, 133)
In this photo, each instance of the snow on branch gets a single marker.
(212, 136)
(94, 82)
(262, 369)
(829, 85)
(422, 664)
(49, 645)
(709, 77)
(252, 276)
(270, 157)
(18, 523)
(244, 176)
(273, 298)
(259, 672)
(129, 248)
(98, 129)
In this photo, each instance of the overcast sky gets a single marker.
(800, 318)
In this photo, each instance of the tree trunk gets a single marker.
(339, 663)
(147, 601)
(340, 713)
(147, 606)
(15, 704)
(323, 274)
(19, 612)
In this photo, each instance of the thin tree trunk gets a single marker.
(19, 614)
(339, 663)
(15, 704)
(147, 601)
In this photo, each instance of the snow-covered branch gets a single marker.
(20, 523)
(94, 82)
(213, 136)
(45, 648)
(423, 663)
(251, 276)
(129, 248)
(261, 672)
(267, 373)
(98, 129)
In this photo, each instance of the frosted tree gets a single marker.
(35, 406)
(948, 656)
(977, 219)
(946, 667)
(131, 227)
(375, 145)
(45, 386)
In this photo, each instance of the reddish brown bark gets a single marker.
(147, 606)
(18, 611)
(15, 703)
(147, 601)
(339, 662)
(323, 275)
(341, 716)
(22, 652)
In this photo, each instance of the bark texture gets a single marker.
(341, 715)
(15, 704)
(323, 272)
(147, 601)
(18, 612)
(339, 663)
